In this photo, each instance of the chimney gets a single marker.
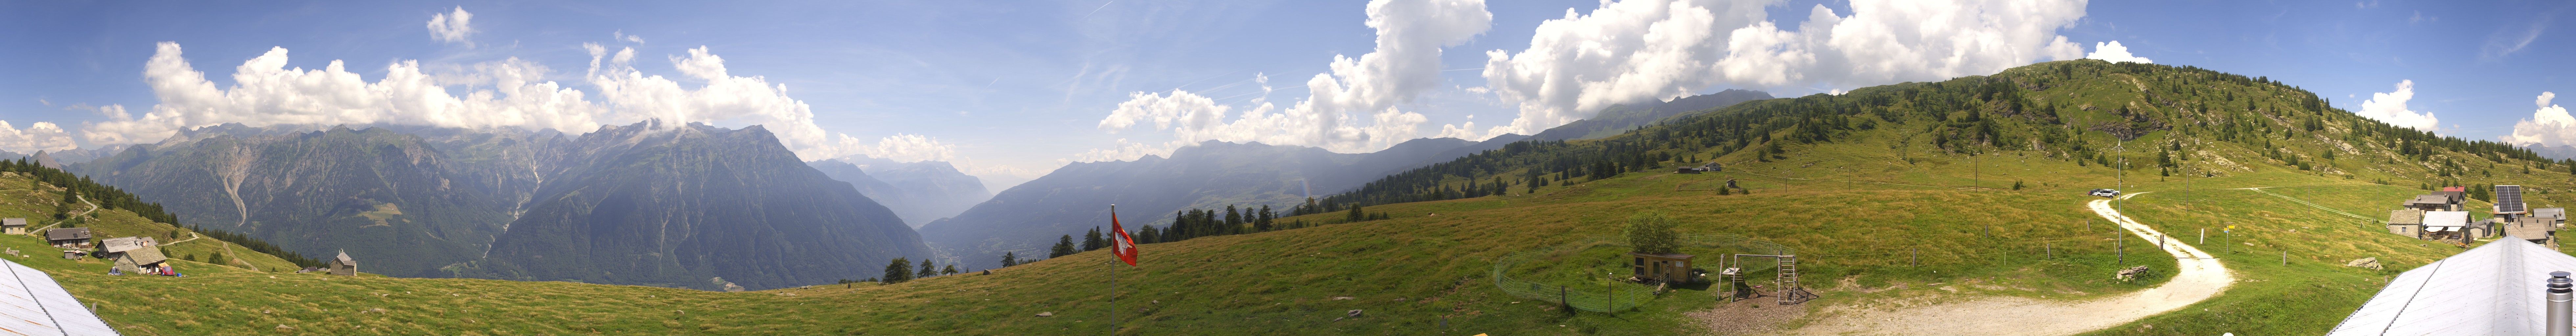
(2559, 304)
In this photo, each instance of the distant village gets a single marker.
(132, 255)
(2440, 216)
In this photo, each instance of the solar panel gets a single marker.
(2508, 199)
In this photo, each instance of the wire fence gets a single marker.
(1608, 298)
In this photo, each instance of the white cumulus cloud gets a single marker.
(912, 148)
(2390, 107)
(1349, 108)
(2113, 52)
(452, 27)
(2549, 125)
(39, 136)
(507, 93)
(1636, 50)
(1126, 150)
(265, 92)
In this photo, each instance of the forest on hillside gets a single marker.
(2081, 111)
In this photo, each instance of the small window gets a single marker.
(1641, 261)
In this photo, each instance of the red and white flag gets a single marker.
(1120, 244)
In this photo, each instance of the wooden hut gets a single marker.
(68, 238)
(342, 265)
(15, 226)
(1662, 267)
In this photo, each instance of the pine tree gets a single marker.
(1355, 214)
(898, 270)
(1063, 247)
(1091, 241)
(926, 269)
(950, 269)
(1261, 220)
(1010, 259)
(1233, 221)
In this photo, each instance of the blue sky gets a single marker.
(1010, 90)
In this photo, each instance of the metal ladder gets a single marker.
(1790, 292)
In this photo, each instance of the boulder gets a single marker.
(2370, 263)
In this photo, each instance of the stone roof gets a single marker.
(13, 222)
(2551, 213)
(344, 259)
(67, 234)
(2406, 217)
(2429, 199)
(122, 244)
(146, 256)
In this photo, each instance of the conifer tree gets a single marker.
(1010, 259)
(898, 270)
(1261, 220)
(926, 269)
(1063, 247)
(1091, 241)
(950, 269)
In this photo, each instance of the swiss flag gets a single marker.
(1120, 244)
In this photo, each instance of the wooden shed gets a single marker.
(342, 265)
(68, 238)
(15, 226)
(1661, 267)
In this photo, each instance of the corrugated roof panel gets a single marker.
(74, 318)
(20, 312)
(2491, 290)
(2446, 218)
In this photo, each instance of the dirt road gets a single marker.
(2201, 277)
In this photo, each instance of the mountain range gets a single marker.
(1073, 199)
(693, 205)
(919, 191)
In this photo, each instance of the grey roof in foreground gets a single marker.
(31, 303)
(2490, 290)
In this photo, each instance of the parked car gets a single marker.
(2105, 193)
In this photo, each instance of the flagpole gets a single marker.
(1113, 275)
